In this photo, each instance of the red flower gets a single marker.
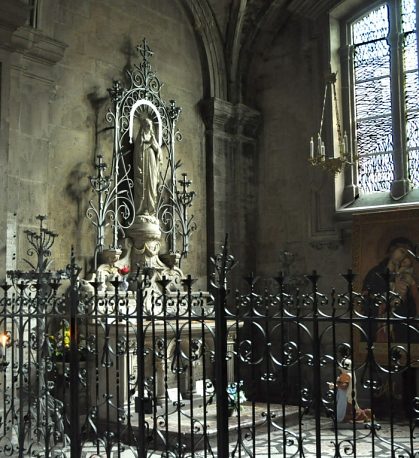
(123, 270)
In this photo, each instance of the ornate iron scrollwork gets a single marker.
(115, 192)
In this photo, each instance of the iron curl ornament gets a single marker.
(223, 263)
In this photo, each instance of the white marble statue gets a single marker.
(147, 161)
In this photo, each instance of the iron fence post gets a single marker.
(317, 393)
(223, 263)
(75, 445)
(21, 434)
(142, 451)
(221, 373)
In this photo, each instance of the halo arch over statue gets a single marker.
(137, 104)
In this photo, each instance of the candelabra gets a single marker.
(318, 157)
(41, 246)
(115, 203)
(38, 302)
(293, 280)
(185, 224)
(41, 243)
(100, 184)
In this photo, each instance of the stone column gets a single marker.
(12, 15)
(231, 178)
(27, 58)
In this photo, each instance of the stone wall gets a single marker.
(54, 117)
(295, 200)
(248, 163)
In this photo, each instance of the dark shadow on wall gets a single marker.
(77, 188)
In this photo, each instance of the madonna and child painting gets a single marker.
(384, 246)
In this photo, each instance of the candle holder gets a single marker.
(186, 225)
(318, 157)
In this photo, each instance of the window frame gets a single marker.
(349, 197)
(33, 12)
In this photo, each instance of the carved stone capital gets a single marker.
(234, 119)
(248, 120)
(216, 113)
(36, 45)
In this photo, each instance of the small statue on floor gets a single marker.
(347, 408)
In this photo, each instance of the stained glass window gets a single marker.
(376, 63)
(410, 73)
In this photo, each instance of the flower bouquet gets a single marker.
(123, 272)
(236, 396)
(60, 341)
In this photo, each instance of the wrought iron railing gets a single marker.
(185, 373)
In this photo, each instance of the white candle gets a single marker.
(311, 148)
(319, 145)
(3, 343)
(323, 151)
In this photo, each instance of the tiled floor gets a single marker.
(263, 445)
(365, 445)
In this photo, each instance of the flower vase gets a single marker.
(123, 272)
(125, 284)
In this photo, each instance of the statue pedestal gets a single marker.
(146, 235)
(142, 249)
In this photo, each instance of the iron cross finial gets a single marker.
(145, 50)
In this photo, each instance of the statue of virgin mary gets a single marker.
(147, 162)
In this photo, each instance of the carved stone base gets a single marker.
(146, 235)
(142, 248)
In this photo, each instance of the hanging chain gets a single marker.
(335, 100)
(323, 109)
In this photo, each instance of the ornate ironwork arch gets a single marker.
(142, 97)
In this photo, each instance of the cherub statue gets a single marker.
(113, 267)
(108, 271)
